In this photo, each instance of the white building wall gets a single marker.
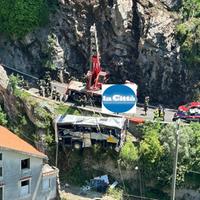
(12, 176)
(50, 193)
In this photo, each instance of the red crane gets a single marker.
(95, 76)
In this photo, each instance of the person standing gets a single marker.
(146, 104)
(156, 114)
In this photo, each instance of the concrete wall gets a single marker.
(12, 176)
(50, 193)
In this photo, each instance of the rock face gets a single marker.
(136, 41)
(159, 59)
(3, 78)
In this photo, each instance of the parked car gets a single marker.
(188, 112)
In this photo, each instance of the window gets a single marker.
(46, 184)
(1, 193)
(25, 188)
(1, 171)
(25, 164)
(0, 156)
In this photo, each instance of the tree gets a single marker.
(168, 139)
(19, 17)
(195, 146)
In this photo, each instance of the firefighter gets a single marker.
(47, 90)
(21, 82)
(161, 117)
(66, 76)
(146, 104)
(47, 79)
(156, 114)
(78, 99)
(57, 96)
(40, 87)
(81, 101)
(84, 100)
(41, 90)
(54, 93)
(159, 111)
(26, 85)
(163, 114)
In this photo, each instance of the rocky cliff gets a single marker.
(137, 42)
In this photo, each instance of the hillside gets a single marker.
(154, 43)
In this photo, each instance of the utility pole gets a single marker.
(175, 161)
(56, 140)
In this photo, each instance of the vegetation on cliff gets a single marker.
(19, 17)
(188, 34)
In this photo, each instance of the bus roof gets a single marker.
(112, 122)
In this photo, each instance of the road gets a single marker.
(139, 113)
(169, 113)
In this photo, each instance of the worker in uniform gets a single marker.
(161, 117)
(146, 104)
(21, 82)
(66, 76)
(159, 111)
(47, 90)
(84, 100)
(163, 114)
(47, 79)
(57, 96)
(54, 93)
(78, 99)
(41, 90)
(26, 85)
(156, 114)
(81, 101)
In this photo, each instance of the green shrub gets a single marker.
(128, 153)
(14, 82)
(150, 148)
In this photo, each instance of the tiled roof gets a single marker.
(9, 140)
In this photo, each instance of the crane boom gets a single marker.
(95, 76)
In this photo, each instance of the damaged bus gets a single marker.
(84, 131)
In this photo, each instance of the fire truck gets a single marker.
(188, 112)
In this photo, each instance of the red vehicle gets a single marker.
(88, 91)
(96, 76)
(188, 112)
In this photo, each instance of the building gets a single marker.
(23, 172)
